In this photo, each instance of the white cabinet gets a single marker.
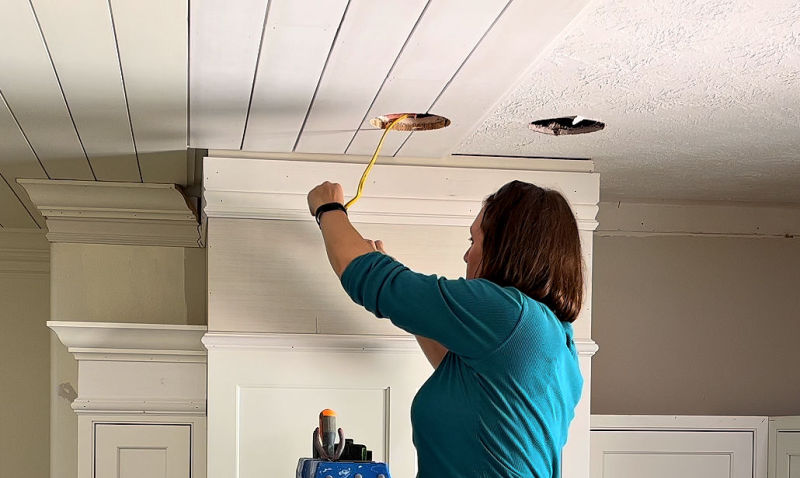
(784, 441)
(670, 446)
(667, 454)
(134, 450)
(141, 400)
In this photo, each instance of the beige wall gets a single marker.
(696, 325)
(116, 283)
(24, 356)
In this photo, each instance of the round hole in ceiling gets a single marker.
(414, 121)
(566, 125)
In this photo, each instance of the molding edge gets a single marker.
(94, 212)
(150, 407)
(697, 219)
(333, 343)
(103, 341)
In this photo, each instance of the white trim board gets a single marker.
(126, 338)
(395, 194)
(333, 342)
(699, 219)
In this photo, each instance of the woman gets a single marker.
(506, 379)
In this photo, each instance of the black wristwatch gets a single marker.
(331, 206)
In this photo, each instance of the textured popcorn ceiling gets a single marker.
(701, 99)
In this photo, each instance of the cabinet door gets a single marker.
(788, 453)
(135, 451)
(667, 454)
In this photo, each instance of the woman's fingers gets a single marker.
(376, 245)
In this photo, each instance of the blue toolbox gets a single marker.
(311, 468)
(338, 460)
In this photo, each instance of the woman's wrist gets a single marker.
(326, 208)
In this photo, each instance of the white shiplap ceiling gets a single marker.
(91, 90)
(701, 97)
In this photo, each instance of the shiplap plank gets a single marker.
(18, 160)
(81, 39)
(12, 212)
(298, 37)
(31, 88)
(443, 39)
(523, 32)
(154, 49)
(223, 49)
(359, 62)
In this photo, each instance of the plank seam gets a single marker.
(61, 88)
(22, 132)
(124, 90)
(255, 73)
(321, 76)
(458, 70)
(388, 73)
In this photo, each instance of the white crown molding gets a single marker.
(151, 406)
(586, 347)
(519, 163)
(697, 219)
(334, 343)
(115, 213)
(24, 253)
(131, 342)
(395, 194)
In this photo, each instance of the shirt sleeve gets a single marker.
(470, 317)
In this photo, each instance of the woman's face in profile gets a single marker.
(474, 254)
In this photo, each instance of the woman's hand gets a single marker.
(325, 193)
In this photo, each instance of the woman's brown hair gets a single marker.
(531, 242)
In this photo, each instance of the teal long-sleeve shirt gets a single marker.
(500, 403)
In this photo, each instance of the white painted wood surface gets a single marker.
(35, 96)
(298, 36)
(788, 455)
(395, 194)
(129, 451)
(261, 274)
(665, 454)
(368, 43)
(152, 36)
(221, 72)
(81, 39)
(784, 446)
(440, 44)
(115, 213)
(669, 454)
(371, 391)
(524, 31)
(627, 446)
